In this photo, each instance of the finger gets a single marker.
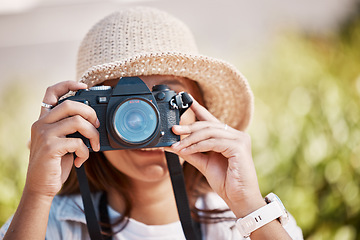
(188, 129)
(70, 108)
(222, 146)
(77, 124)
(201, 113)
(54, 92)
(198, 160)
(77, 146)
(203, 134)
(67, 162)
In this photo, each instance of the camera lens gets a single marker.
(135, 120)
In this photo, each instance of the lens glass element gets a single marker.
(135, 120)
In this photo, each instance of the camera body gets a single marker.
(131, 116)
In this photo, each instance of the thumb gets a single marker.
(198, 160)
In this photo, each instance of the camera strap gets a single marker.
(192, 230)
(90, 216)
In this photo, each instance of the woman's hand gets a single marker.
(223, 155)
(50, 159)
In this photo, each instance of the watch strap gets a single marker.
(259, 218)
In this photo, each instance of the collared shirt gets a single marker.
(67, 221)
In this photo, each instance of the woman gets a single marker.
(214, 150)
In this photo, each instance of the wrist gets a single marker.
(31, 217)
(28, 193)
(245, 207)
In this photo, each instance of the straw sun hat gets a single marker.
(145, 41)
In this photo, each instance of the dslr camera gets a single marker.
(131, 116)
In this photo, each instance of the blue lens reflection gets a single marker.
(135, 120)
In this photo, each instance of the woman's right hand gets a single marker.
(51, 160)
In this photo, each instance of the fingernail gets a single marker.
(97, 123)
(176, 144)
(192, 97)
(83, 85)
(77, 165)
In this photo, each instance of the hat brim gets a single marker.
(227, 94)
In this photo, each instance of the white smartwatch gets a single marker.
(273, 210)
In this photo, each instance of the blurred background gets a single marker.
(302, 59)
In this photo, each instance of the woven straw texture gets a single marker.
(145, 41)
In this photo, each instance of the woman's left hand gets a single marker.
(223, 155)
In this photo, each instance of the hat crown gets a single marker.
(132, 32)
(144, 41)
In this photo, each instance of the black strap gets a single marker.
(182, 203)
(91, 220)
(104, 217)
(192, 231)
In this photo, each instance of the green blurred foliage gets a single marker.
(306, 129)
(305, 132)
(17, 113)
